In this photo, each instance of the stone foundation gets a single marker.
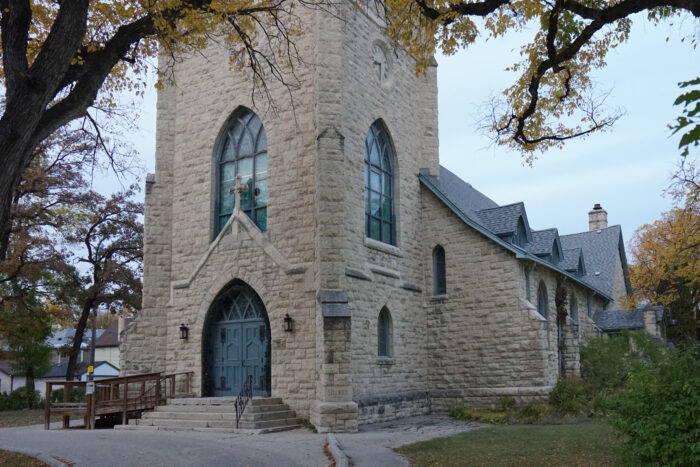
(442, 401)
(392, 406)
(334, 417)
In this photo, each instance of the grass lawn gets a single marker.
(10, 418)
(19, 460)
(519, 445)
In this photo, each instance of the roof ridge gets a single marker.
(502, 206)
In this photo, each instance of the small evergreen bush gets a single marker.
(77, 394)
(660, 411)
(506, 402)
(19, 399)
(570, 397)
(478, 415)
(607, 361)
(532, 412)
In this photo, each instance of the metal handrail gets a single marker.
(243, 397)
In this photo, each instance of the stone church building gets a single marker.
(325, 253)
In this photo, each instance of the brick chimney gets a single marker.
(597, 218)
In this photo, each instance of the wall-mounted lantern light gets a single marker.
(288, 323)
(184, 331)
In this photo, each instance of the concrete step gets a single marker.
(262, 416)
(202, 401)
(158, 428)
(255, 401)
(196, 408)
(257, 425)
(266, 408)
(187, 424)
(189, 416)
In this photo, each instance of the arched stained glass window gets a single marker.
(573, 308)
(243, 151)
(379, 186)
(439, 273)
(384, 333)
(542, 300)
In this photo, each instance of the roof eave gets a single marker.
(519, 252)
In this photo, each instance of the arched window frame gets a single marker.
(380, 190)
(384, 334)
(542, 300)
(242, 150)
(439, 271)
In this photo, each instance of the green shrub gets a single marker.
(506, 402)
(660, 411)
(532, 412)
(478, 415)
(570, 397)
(77, 394)
(19, 399)
(607, 361)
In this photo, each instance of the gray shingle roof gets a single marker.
(465, 201)
(64, 337)
(542, 241)
(502, 220)
(600, 251)
(571, 259)
(615, 320)
(110, 336)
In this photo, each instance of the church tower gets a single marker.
(288, 243)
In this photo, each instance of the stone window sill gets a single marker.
(439, 298)
(385, 361)
(383, 247)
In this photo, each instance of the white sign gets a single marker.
(90, 388)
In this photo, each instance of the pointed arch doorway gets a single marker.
(236, 343)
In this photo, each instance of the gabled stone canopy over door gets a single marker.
(236, 344)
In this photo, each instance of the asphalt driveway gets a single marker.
(371, 446)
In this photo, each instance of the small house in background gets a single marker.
(60, 339)
(107, 345)
(650, 318)
(57, 372)
(9, 380)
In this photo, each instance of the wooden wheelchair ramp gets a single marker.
(122, 396)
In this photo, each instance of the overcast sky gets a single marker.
(625, 170)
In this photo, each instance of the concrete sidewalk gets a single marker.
(106, 448)
(372, 446)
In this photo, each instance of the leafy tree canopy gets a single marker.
(552, 100)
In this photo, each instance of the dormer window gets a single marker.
(520, 236)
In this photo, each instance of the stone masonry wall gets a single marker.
(485, 342)
(184, 267)
(351, 98)
(142, 349)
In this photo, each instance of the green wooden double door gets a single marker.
(238, 343)
(239, 352)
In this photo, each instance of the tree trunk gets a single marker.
(29, 381)
(78, 340)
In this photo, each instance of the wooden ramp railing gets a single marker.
(112, 396)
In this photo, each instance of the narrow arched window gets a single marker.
(243, 151)
(439, 274)
(384, 333)
(573, 308)
(379, 186)
(542, 300)
(589, 308)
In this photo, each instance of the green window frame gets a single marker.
(243, 151)
(384, 333)
(380, 219)
(573, 308)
